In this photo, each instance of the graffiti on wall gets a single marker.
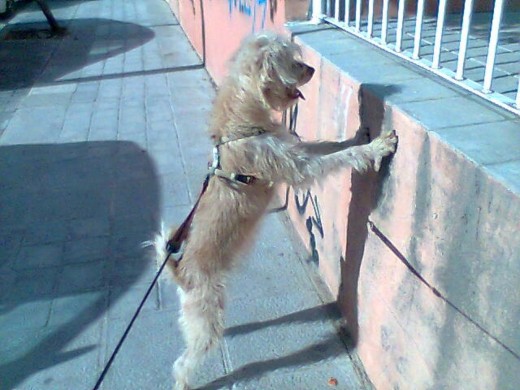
(256, 10)
(313, 222)
(306, 202)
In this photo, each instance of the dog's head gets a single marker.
(271, 66)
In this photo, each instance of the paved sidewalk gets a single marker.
(102, 136)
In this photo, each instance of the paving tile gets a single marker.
(89, 276)
(494, 141)
(86, 250)
(158, 108)
(152, 340)
(43, 128)
(45, 233)
(53, 358)
(77, 122)
(10, 244)
(89, 227)
(73, 304)
(86, 92)
(174, 189)
(162, 135)
(124, 301)
(132, 271)
(25, 315)
(39, 256)
(436, 114)
(508, 173)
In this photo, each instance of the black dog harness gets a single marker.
(174, 244)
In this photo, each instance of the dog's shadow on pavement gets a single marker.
(327, 347)
(73, 216)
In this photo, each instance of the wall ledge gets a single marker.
(480, 131)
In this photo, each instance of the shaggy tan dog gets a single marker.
(253, 153)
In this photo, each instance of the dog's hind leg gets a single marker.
(202, 324)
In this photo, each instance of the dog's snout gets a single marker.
(309, 70)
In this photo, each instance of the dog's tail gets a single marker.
(159, 244)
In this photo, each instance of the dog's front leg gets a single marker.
(361, 157)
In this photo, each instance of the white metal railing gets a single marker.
(467, 47)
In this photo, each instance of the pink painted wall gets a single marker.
(189, 14)
(423, 292)
(445, 326)
(227, 24)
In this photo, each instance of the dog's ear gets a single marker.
(261, 47)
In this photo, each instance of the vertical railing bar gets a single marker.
(518, 94)
(438, 34)
(400, 26)
(384, 22)
(418, 30)
(493, 42)
(336, 9)
(358, 15)
(466, 22)
(347, 12)
(370, 17)
(317, 10)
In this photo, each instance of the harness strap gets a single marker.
(234, 177)
(253, 132)
(174, 244)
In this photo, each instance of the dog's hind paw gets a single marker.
(180, 386)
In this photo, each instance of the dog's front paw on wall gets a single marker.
(383, 146)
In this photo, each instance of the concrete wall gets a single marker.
(424, 256)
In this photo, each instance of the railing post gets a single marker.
(418, 30)
(518, 96)
(317, 11)
(493, 42)
(466, 21)
(358, 15)
(384, 23)
(438, 34)
(400, 26)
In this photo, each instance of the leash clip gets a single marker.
(175, 251)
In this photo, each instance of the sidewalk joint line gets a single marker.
(184, 68)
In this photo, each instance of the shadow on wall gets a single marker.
(366, 191)
(73, 216)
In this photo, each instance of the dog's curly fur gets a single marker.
(264, 77)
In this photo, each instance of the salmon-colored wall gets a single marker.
(416, 253)
(189, 14)
(227, 23)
